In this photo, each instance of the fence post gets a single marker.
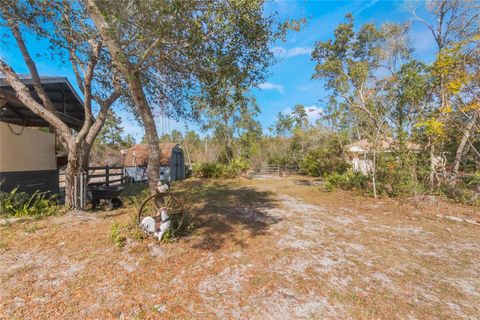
(107, 176)
(278, 170)
(122, 176)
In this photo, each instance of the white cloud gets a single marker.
(313, 113)
(365, 7)
(271, 86)
(292, 52)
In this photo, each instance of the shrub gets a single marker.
(460, 194)
(235, 168)
(396, 176)
(466, 191)
(207, 170)
(219, 170)
(21, 204)
(320, 161)
(350, 180)
(474, 180)
(327, 157)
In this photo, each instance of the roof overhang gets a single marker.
(67, 103)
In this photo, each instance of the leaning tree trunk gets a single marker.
(132, 77)
(153, 167)
(458, 155)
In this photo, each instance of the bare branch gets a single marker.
(37, 84)
(26, 98)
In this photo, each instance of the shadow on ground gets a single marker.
(308, 182)
(223, 212)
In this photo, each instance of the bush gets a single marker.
(235, 168)
(219, 170)
(474, 181)
(327, 157)
(319, 162)
(350, 180)
(466, 191)
(460, 194)
(21, 204)
(396, 176)
(206, 170)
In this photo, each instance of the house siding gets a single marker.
(31, 181)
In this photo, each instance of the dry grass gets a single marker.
(265, 248)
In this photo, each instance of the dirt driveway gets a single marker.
(261, 249)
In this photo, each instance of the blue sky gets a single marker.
(289, 81)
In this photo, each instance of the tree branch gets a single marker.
(37, 84)
(26, 98)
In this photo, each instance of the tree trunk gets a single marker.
(70, 171)
(188, 156)
(228, 150)
(132, 77)
(433, 172)
(69, 185)
(85, 156)
(374, 174)
(153, 167)
(458, 155)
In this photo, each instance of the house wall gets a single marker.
(360, 163)
(32, 150)
(27, 160)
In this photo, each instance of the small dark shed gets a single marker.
(172, 162)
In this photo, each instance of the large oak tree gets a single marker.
(70, 38)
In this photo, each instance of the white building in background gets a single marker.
(359, 156)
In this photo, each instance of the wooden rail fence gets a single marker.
(106, 175)
(274, 169)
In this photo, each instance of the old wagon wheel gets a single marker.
(175, 209)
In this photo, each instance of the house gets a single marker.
(28, 158)
(358, 152)
(172, 162)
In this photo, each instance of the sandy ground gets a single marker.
(261, 249)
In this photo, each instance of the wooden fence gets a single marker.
(274, 169)
(107, 175)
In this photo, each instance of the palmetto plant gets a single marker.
(21, 204)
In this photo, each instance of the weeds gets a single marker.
(21, 204)
(116, 235)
